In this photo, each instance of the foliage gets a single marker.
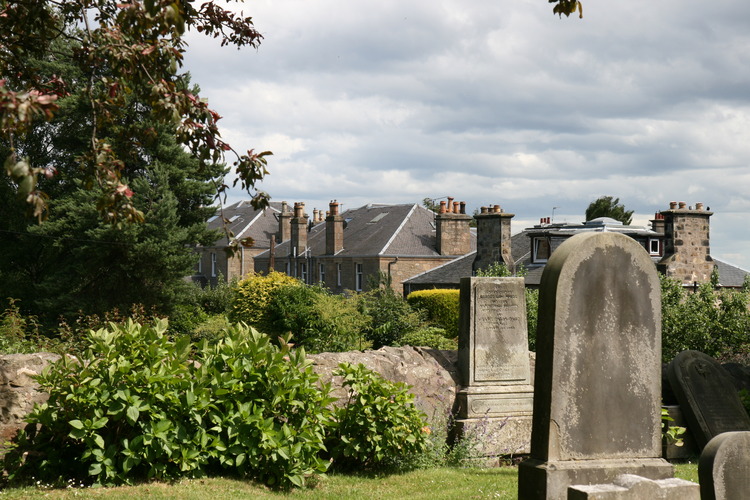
(77, 262)
(440, 308)
(121, 52)
(567, 7)
(672, 434)
(317, 319)
(196, 306)
(253, 296)
(19, 334)
(713, 321)
(745, 398)
(500, 270)
(608, 206)
(136, 407)
(378, 426)
(430, 336)
(390, 317)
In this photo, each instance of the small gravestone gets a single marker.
(495, 401)
(707, 396)
(597, 383)
(632, 487)
(724, 467)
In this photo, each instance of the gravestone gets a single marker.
(724, 467)
(632, 487)
(707, 396)
(597, 383)
(495, 401)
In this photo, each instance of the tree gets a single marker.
(607, 206)
(122, 51)
(76, 261)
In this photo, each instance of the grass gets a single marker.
(428, 484)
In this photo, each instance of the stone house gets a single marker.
(677, 241)
(253, 227)
(346, 250)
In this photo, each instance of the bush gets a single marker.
(390, 317)
(136, 407)
(430, 336)
(379, 427)
(715, 322)
(253, 295)
(440, 307)
(317, 320)
(20, 334)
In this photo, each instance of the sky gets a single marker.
(495, 102)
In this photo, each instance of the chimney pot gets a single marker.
(442, 207)
(672, 205)
(699, 206)
(496, 209)
(483, 210)
(455, 207)
(463, 207)
(682, 204)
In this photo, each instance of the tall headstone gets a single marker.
(707, 396)
(597, 384)
(724, 467)
(495, 401)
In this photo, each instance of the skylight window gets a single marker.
(378, 217)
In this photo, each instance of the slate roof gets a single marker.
(729, 275)
(377, 229)
(247, 222)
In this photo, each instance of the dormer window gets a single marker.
(541, 249)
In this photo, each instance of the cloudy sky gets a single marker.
(496, 102)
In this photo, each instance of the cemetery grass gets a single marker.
(432, 484)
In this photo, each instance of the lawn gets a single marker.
(432, 484)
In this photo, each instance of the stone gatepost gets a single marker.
(597, 384)
(495, 401)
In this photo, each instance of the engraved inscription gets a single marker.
(500, 338)
(499, 405)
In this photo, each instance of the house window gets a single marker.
(654, 246)
(541, 249)
(358, 276)
(321, 273)
(338, 274)
(303, 272)
(213, 265)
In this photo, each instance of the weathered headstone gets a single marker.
(597, 384)
(632, 487)
(724, 467)
(707, 396)
(496, 396)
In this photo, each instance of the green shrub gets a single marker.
(211, 329)
(440, 307)
(250, 302)
(532, 315)
(715, 322)
(136, 407)
(430, 337)
(390, 317)
(379, 427)
(317, 320)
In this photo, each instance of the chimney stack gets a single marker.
(299, 230)
(334, 229)
(452, 229)
(493, 238)
(285, 223)
(687, 252)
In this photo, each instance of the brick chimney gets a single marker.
(285, 223)
(658, 223)
(299, 230)
(493, 238)
(334, 229)
(452, 225)
(687, 253)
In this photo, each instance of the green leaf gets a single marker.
(132, 414)
(76, 424)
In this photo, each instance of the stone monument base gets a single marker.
(538, 480)
(494, 436)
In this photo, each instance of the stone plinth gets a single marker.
(495, 375)
(632, 487)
